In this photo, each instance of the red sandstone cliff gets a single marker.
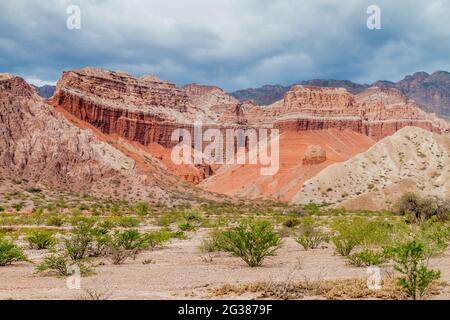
(39, 144)
(147, 110)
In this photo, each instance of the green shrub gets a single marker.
(142, 208)
(291, 222)
(344, 245)
(367, 258)
(211, 243)
(418, 209)
(18, 206)
(350, 233)
(310, 235)
(131, 240)
(55, 221)
(186, 226)
(435, 235)
(251, 241)
(60, 265)
(9, 253)
(127, 243)
(102, 239)
(410, 260)
(157, 238)
(79, 245)
(128, 222)
(40, 240)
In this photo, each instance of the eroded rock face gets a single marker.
(411, 160)
(314, 155)
(147, 110)
(39, 144)
(317, 101)
(376, 112)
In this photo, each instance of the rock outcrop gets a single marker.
(148, 110)
(377, 112)
(314, 154)
(412, 159)
(39, 144)
(432, 92)
(246, 180)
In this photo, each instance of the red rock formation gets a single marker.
(376, 112)
(319, 101)
(314, 154)
(147, 110)
(39, 144)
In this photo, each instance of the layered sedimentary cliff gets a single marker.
(148, 110)
(375, 112)
(410, 160)
(40, 145)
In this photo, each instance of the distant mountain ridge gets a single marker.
(45, 91)
(432, 92)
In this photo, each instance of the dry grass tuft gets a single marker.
(327, 289)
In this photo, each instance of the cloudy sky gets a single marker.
(231, 43)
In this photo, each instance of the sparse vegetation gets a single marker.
(125, 244)
(9, 252)
(367, 258)
(418, 209)
(311, 236)
(41, 240)
(60, 265)
(410, 259)
(251, 241)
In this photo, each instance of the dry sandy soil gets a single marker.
(180, 270)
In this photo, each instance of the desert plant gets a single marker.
(435, 235)
(94, 294)
(410, 260)
(211, 243)
(126, 244)
(118, 255)
(131, 240)
(350, 233)
(40, 240)
(311, 236)
(291, 222)
(156, 238)
(61, 265)
(186, 226)
(418, 209)
(55, 221)
(142, 208)
(9, 253)
(344, 245)
(79, 245)
(367, 258)
(251, 241)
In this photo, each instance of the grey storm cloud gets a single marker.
(230, 43)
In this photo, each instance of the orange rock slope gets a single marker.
(247, 181)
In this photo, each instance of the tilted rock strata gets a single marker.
(412, 159)
(314, 154)
(39, 144)
(147, 111)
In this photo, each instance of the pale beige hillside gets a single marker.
(412, 159)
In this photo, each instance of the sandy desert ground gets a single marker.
(180, 271)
